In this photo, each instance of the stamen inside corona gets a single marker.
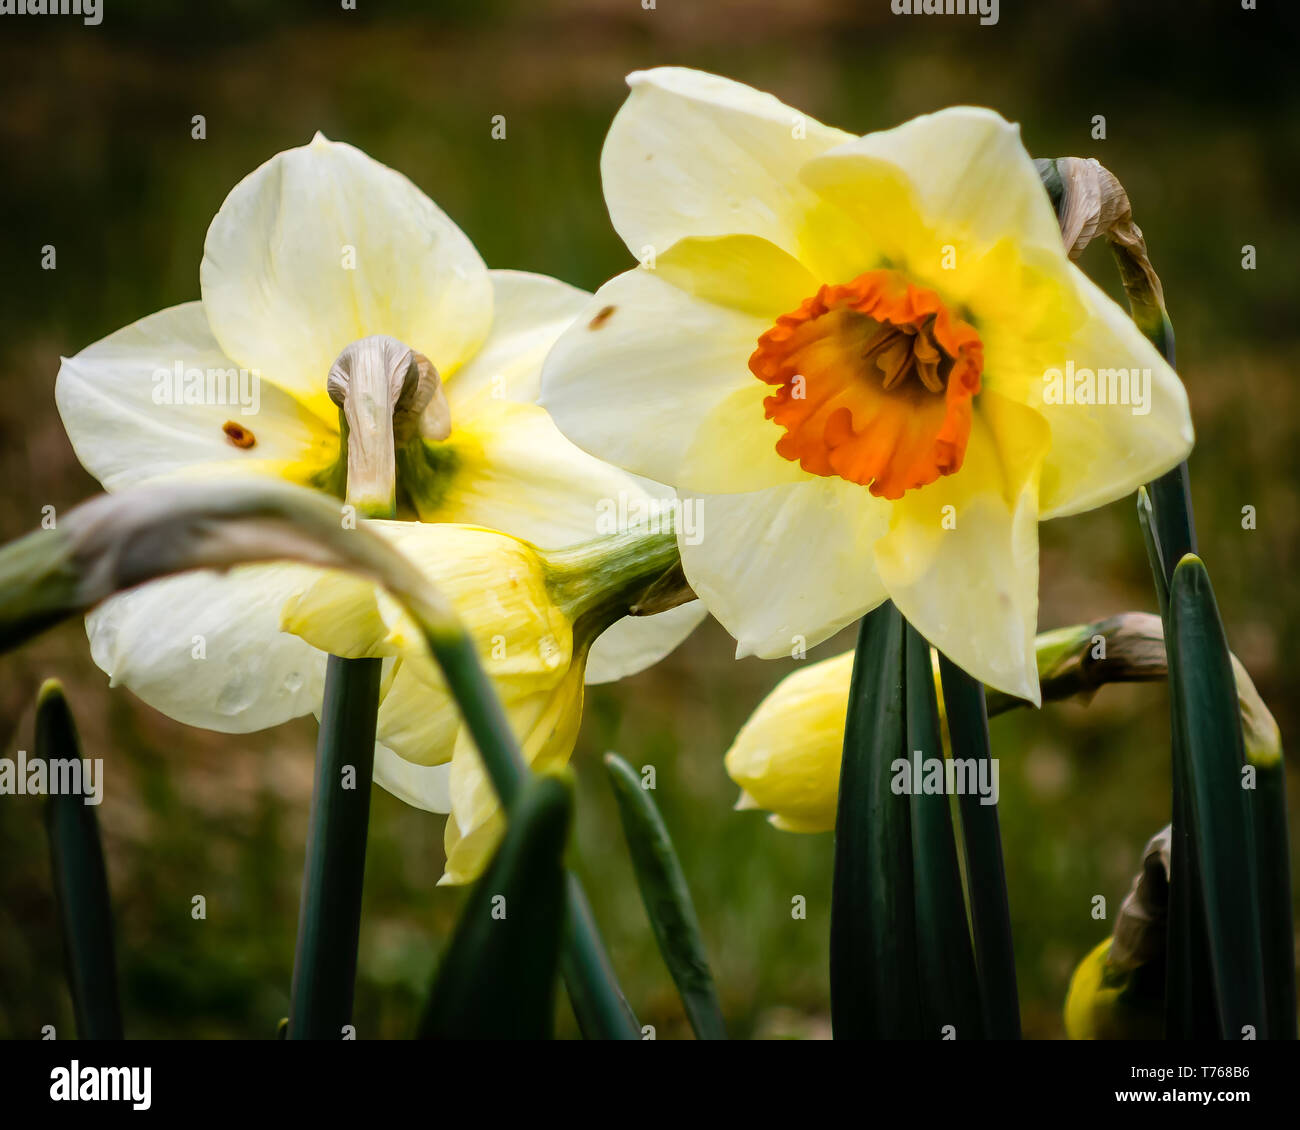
(875, 381)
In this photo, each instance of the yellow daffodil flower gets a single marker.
(1109, 1002)
(533, 617)
(320, 248)
(786, 757)
(869, 357)
(1118, 990)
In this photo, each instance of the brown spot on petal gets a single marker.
(239, 435)
(602, 316)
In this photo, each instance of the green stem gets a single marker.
(80, 877)
(329, 914)
(667, 900)
(602, 1010)
(986, 880)
(593, 988)
(496, 980)
(950, 1001)
(329, 922)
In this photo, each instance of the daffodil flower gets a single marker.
(870, 357)
(317, 250)
(533, 617)
(786, 757)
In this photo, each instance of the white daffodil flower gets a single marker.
(318, 249)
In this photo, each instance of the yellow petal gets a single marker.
(973, 179)
(740, 272)
(868, 215)
(497, 586)
(323, 245)
(419, 722)
(548, 728)
(787, 756)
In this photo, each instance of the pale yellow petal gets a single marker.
(691, 153)
(422, 786)
(207, 650)
(645, 368)
(787, 755)
(785, 568)
(528, 313)
(971, 174)
(634, 643)
(495, 583)
(960, 560)
(418, 721)
(323, 245)
(159, 397)
(1104, 451)
(547, 726)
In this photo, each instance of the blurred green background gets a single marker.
(1201, 125)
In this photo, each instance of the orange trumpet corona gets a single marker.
(875, 381)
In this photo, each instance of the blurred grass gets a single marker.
(95, 123)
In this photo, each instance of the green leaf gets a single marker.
(945, 963)
(329, 917)
(1273, 870)
(80, 877)
(598, 1002)
(1159, 575)
(1216, 805)
(1171, 508)
(667, 900)
(1190, 1010)
(497, 978)
(986, 880)
(874, 989)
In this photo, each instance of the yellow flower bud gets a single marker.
(532, 617)
(786, 758)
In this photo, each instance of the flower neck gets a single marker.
(637, 572)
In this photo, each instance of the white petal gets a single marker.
(421, 786)
(323, 245)
(118, 401)
(967, 577)
(789, 566)
(636, 642)
(645, 368)
(516, 473)
(207, 649)
(1103, 452)
(529, 313)
(690, 153)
